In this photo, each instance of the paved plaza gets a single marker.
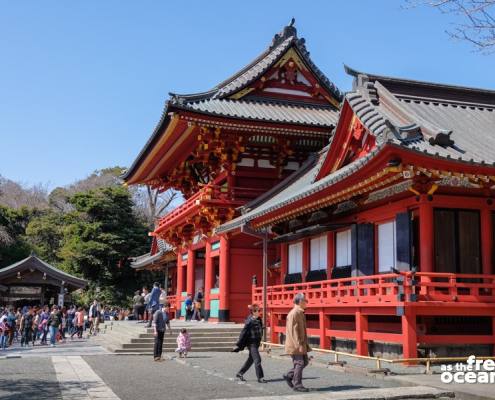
(84, 370)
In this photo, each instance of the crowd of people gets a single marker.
(43, 325)
(31, 325)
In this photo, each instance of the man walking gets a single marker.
(154, 301)
(296, 343)
(160, 323)
(94, 317)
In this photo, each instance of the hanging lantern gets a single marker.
(19, 275)
(44, 276)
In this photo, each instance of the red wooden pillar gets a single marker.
(426, 236)
(330, 253)
(223, 312)
(486, 240)
(180, 272)
(305, 261)
(324, 325)
(273, 324)
(208, 278)
(409, 334)
(190, 272)
(284, 262)
(361, 327)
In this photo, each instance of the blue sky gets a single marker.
(82, 84)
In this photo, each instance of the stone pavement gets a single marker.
(70, 347)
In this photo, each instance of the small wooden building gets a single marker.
(32, 281)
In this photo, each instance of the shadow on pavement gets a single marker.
(24, 389)
(339, 388)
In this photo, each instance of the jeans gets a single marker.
(53, 335)
(157, 353)
(300, 362)
(45, 332)
(26, 336)
(254, 356)
(152, 310)
(3, 341)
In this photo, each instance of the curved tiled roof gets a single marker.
(270, 112)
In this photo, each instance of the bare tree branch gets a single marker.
(478, 26)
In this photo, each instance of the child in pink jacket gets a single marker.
(183, 343)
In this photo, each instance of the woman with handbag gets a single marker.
(250, 337)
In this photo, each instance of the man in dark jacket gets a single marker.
(250, 337)
(160, 322)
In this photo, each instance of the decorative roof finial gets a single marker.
(286, 33)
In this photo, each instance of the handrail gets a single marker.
(386, 289)
(379, 360)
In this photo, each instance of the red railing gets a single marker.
(171, 300)
(213, 194)
(384, 290)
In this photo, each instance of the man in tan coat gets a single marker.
(296, 343)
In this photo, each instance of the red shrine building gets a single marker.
(225, 148)
(378, 204)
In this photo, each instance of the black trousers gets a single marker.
(158, 344)
(254, 357)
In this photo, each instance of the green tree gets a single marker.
(13, 223)
(99, 237)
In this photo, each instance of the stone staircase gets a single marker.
(129, 337)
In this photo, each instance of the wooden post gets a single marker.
(361, 327)
(330, 253)
(306, 258)
(283, 262)
(223, 312)
(426, 235)
(180, 272)
(486, 240)
(190, 272)
(324, 325)
(273, 324)
(208, 279)
(409, 334)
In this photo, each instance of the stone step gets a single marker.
(170, 350)
(174, 345)
(173, 339)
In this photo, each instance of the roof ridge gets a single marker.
(276, 102)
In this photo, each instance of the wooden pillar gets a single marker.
(409, 334)
(330, 253)
(361, 327)
(190, 272)
(284, 261)
(324, 325)
(223, 312)
(273, 324)
(486, 241)
(426, 236)
(180, 272)
(306, 258)
(208, 279)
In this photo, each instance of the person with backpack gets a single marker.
(189, 307)
(250, 337)
(43, 324)
(12, 324)
(138, 304)
(94, 317)
(26, 326)
(54, 324)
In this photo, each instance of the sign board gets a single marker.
(60, 300)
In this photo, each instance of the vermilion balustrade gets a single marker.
(384, 289)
